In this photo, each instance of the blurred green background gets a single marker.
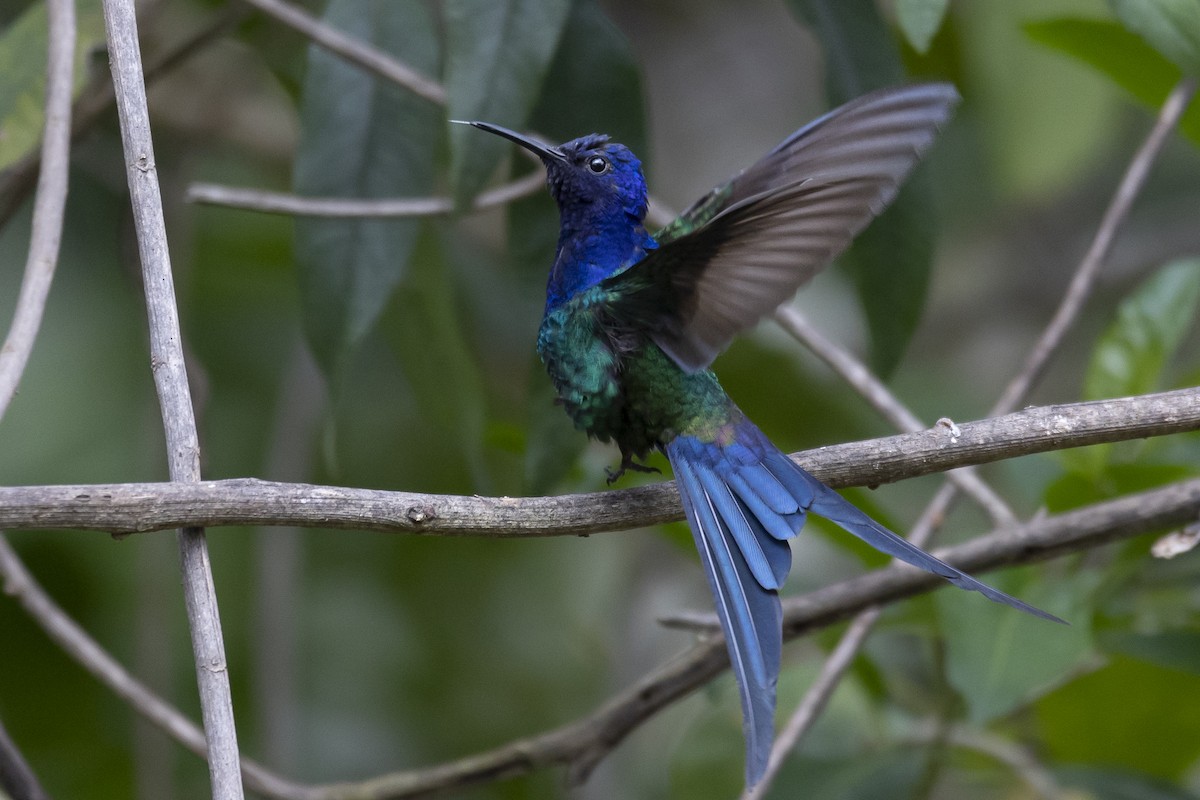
(399, 355)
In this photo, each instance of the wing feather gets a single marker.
(746, 247)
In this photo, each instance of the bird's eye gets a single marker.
(598, 165)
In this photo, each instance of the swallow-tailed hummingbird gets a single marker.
(633, 320)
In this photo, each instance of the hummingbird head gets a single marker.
(589, 177)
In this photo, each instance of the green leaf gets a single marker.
(23, 74)
(497, 52)
(1111, 784)
(1171, 26)
(920, 20)
(1095, 476)
(1172, 649)
(1133, 353)
(361, 137)
(999, 659)
(1121, 55)
(428, 333)
(860, 52)
(892, 259)
(1116, 718)
(593, 84)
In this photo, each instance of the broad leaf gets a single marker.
(1110, 784)
(891, 260)
(999, 659)
(1133, 353)
(920, 20)
(1116, 718)
(427, 332)
(497, 52)
(1123, 56)
(361, 137)
(23, 73)
(1171, 26)
(1132, 357)
(1178, 649)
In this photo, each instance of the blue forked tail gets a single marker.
(743, 500)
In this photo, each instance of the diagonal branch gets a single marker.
(1084, 278)
(353, 50)
(171, 382)
(869, 387)
(137, 508)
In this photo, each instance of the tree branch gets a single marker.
(17, 779)
(353, 50)
(870, 388)
(170, 377)
(284, 203)
(49, 204)
(583, 743)
(1085, 275)
(141, 507)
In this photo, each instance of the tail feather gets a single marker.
(751, 615)
(743, 500)
(835, 508)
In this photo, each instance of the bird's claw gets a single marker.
(627, 463)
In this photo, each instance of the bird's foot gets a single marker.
(627, 463)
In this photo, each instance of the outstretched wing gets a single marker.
(747, 246)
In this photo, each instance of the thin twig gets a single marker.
(870, 388)
(17, 779)
(1084, 278)
(353, 50)
(137, 508)
(283, 203)
(1039, 357)
(170, 377)
(49, 204)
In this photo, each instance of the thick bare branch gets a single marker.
(170, 376)
(136, 508)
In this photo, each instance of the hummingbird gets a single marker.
(633, 320)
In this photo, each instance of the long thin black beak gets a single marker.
(543, 151)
